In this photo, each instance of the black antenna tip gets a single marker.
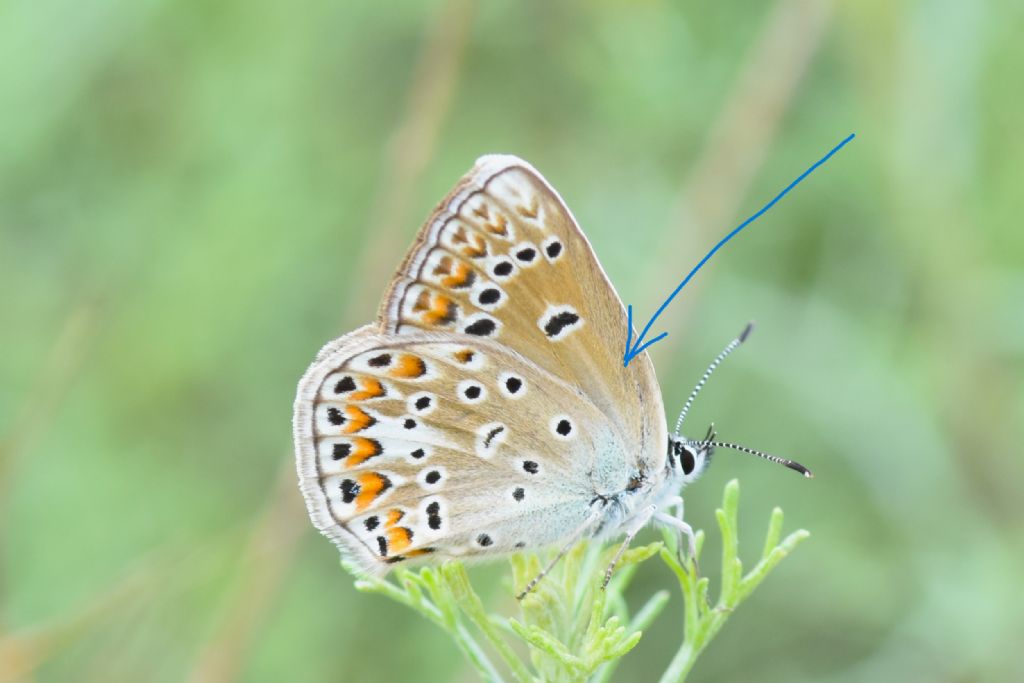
(799, 468)
(746, 331)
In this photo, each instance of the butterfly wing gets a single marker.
(443, 445)
(503, 258)
(489, 406)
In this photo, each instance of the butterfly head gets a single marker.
(687, 459)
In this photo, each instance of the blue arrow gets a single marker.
(632, 350)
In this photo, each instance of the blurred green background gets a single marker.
(195, 196)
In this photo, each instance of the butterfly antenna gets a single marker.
(729, 348)
(703, 443)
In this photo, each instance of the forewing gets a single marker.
(503, 259)
(442, 446)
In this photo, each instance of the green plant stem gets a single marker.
(458, 582)
(574, 629)
(702, 622)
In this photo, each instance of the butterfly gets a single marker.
(488, 411)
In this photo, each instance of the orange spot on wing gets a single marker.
(444, 266)
(499, 226)
(475, 244)
(528, 211)
(399, 538)
(356, 420)
(462, 277)
(408, 367)
(477, 249)
(435, 309)
(371, 486)
(442, 311)
(362, 450)
(419, 551)
(394, 517)
(464, 355)
(371, 389)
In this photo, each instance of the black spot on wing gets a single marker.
(559, 321)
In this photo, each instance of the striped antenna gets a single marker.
(753, 451)
(730, 347)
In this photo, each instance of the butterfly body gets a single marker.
(488, 409)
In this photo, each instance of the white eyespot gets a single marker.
(526, 254)
(501, 268)
(559, 321)
(488, 296)
(489, 437)
(434, 513)
(530, 466)
(511, 385)
(562, 427)
(470, 391)
(553, 249)
(422, 403)
(481, 325)
(432, 477)
(415, 453)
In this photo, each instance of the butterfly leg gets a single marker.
(639, 523)
(677, 523)
(577, 535)
(677, 503)
(684, 529)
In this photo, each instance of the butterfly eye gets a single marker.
(687, 460)
(634, 483)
